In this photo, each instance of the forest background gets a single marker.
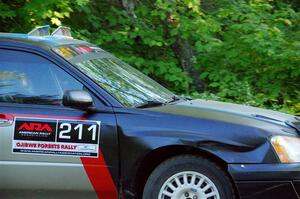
(243, 51)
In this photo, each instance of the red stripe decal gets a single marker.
(100, 177)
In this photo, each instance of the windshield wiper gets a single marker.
(176, 98)
(148, 104)
(154, 103)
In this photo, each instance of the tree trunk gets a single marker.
(184, 52)
(129, 6)
(186, 56)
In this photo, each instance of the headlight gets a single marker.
(287, 148)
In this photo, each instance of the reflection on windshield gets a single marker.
(125, 83)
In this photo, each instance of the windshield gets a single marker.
(129, 86)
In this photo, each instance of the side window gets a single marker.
(27, 78)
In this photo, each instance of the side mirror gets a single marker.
(77, 99)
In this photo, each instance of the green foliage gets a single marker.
(245, 51)
(257, 59)
(24, 15)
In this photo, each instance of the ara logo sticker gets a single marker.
(35, 129)
(56, 137)
(32, 126)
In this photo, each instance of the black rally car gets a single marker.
(76, 122)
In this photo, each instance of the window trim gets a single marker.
(52, 107)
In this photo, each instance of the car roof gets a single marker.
(45, 42)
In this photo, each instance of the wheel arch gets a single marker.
(157, 156)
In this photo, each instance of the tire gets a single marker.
(194, 174)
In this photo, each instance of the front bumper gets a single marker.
(266, 181)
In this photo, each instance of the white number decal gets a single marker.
(94, 128)
(79, 126)
(67, 132)
(63, 132)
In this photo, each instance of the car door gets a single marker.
(48, 150)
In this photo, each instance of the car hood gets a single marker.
(272, 121)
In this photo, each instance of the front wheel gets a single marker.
(188, 177)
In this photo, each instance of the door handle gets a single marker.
(6, 119)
